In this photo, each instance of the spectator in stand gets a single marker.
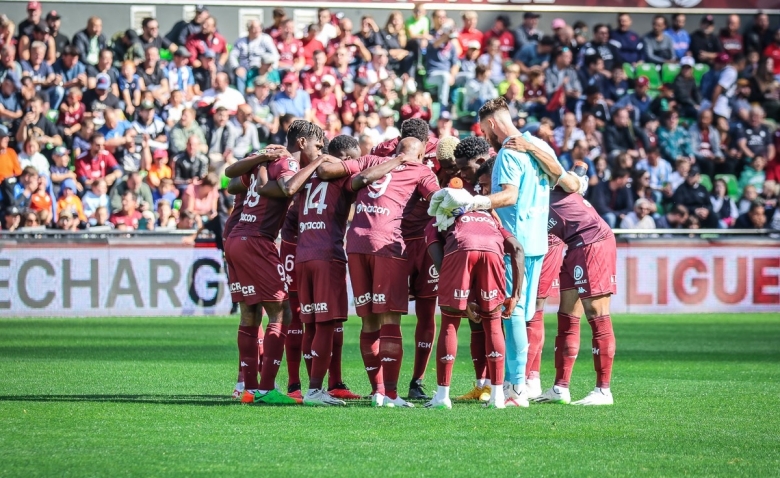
(764, 88)
(165, 218)
(577, 153)
(470, 33)
(134, 183)
(95, 198)
(69, 73)
(673, 140)
(506, 38)
(10, 102)
(356, 50)
(155, 78)
(591, 74)
(130, 86)
(617, 87)
(755, 218)
(150, 36)
(90, 41)
(34, 11)
(201, 198)
(311, 45)
(480, 89)
(638, 102)
(13, 218)
(326, 30)
(568, 133)
(722, 205)
(292, 99)
(104, 65)
(180, 75)
(696, 199)
(248, 52)
(441, 61)
(641, 217)
(31, 156)
(376, 70)
(705, 46)
(386, 128)
(612, 199)
(600, 45)
(7, 31)
(593, 137)
(563, 75)
(657, 169)
(311, 79)
(535, 55)
(772, 50)
(279, 17)
(686, 92)
(754, 138)
(619, 137)
(40, 71)
(158, 170)
(246, 133)
(705, 143)
(207, 39)
(419, 106)
(148, 124)
(681, 40)
(262, 115)
(127, 47)
(359, 101)
(40, 34)
(511, 78)
(30, 219)
(128, 217)
(593, 104)
(758, 36)
(325, 102)
(60, 170)
(9, 161)
(222, 95)
(190, 164)
(9, 65)
(493, 59)
(69, 201)
(753, 174)
(629, 44)
(394, 40)
(369, 33)
(659, 48)
(444, 126)
(185, 129)
(97, 163)
(101, 98)
(34, 124)
(528, 32)
(183, 30)
(205, 75)
(730, 37)
(221, 139)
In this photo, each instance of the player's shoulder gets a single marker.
(385, 148)
(284, 163)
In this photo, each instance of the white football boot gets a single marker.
(320, 397)
(517, 396)
(397, 402)
(437, 403)
(555, 394)
(534, 387)
(599, 396)
(378, 400)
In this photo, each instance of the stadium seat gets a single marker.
(732, 185)
(706, 182)
(699, 70)
(53, 116)
(651, 72)
(435, 112)
(166, 54)
(628, 69)
(669, 72)
(461, 113)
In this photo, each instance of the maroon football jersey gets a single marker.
(574, 221)
(380, 206)
(238, 208)
(290, 226)
(553, 241)
(323, 210)
(264, 216)
(473, 231)
(354, 166)
(387, 148)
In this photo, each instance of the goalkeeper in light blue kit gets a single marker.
(525, 170)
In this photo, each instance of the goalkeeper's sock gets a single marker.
(516, 347)
(603, 349)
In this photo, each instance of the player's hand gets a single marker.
(509, 306)
(518, 143)
(471, 313)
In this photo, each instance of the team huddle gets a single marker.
(448, 221)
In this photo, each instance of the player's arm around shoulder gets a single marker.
(333, 168)
(292, 179)
(375, 173)
(246, 165)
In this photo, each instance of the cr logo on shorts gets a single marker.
(245, 290)
(578, 272)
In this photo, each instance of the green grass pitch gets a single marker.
(694, 395)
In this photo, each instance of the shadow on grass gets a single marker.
(200, 400)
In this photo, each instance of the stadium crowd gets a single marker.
(134, 130)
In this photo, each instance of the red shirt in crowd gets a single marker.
(357, 105)
(465, 36)
(732, 44)
(323, 107)
(505, 38)
(312, 82)
(409, 111)
(289, 51)
(198, 44)
(90, 167)
(309, 47)
(123, 218)
(773, 52)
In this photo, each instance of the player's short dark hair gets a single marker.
(146, 21)
(341, 143)
(415, 128)
(325, 144)
(492, 107)
(132, 195)
(303, 129)
(472, 148)
(486, 167)
(618, 173)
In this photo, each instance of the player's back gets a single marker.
(389, 147)
(380, 207)
(263, 216)
(289, 232)
(323, 211)
(235, 215)
(473, 231)
(574, 220)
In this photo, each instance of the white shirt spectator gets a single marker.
(247, 53)
(576, 135)
(92, 201)
(230, 99)
(632, 221)
(327, 33)
(246, 138)
(390, 133)
(37, 160)
(659, 174)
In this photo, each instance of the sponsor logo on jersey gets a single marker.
(371, 209)
(315, 307)
(277, 362)
(448, 358)
(363, 299)
(551, 223)
(244, 364)
(424, 345)
(613, 279)
(494, 354)
(338, 329)
(314, 354)
(461, 294)
(248, 218)
(578, 273)
(485, 219)
(378, 299)
(307, 356)
(556, 283)
(245, 290)
(587, 204)
(309, 226)
(489, 294)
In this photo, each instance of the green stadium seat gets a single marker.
(699, 70)
(435, 112)
(732, 185)
(706, 182)
(669, 72)
(629, 71)
(166, 54)
(651, 72)
(461, 112)
(53, 116)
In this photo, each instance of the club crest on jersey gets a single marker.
(293, 165)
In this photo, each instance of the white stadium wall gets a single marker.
(73, 280)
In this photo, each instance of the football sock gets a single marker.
(308, 340)
(478, 351)
(494, 345)
(516, 347)
(535, 330)
(603, 349)
(369, 349)
(247, 355)
(321, 349)
(334, 371)
(293, 343)
(567, 346)
(391, 353)
(272, 356)
(424, 334)
(260, 349)
(442, 392)
(446, 348)
(482, 382)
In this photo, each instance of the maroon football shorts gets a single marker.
(551, 269)
(423, 277)
(256, 274)
(379, 283)
(472, 276)
(322, 291)
(287, 256)
(591, 269)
